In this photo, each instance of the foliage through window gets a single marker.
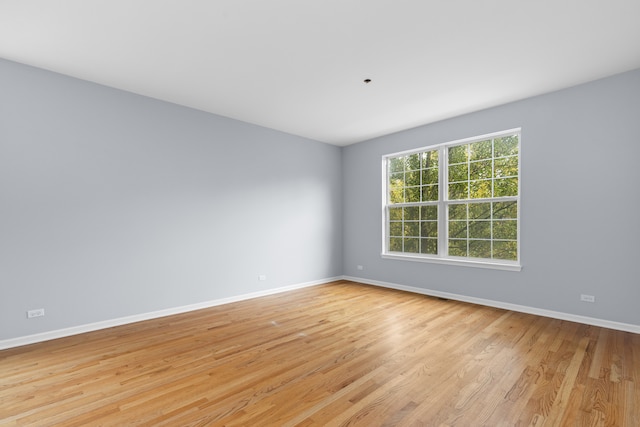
(457, 201)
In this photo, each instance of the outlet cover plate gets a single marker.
(39, 312)
(587, 298)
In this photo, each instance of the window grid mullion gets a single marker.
(422, 177)
(493, 182)
(443, 208)
(468, 197)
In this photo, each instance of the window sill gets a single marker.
(509, 266)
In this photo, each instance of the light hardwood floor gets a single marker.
(330, 355)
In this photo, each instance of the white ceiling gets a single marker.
(298, 66)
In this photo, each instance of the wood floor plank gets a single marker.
(341, 354)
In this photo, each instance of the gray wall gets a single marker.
(113, 204)
(580, 203)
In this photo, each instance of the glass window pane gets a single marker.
(505, 250)
(412, 229)
(480, 248)
(396, 164)
(480, 230)
(395, 228)
(458, 229)
(480, 189)
(480, 210)
(505, 229)
(412, 245)
(480, 150)
(396, 195)
(506, 166)
(459, 172)
(429, 246)
(412, 178)
(458, 191)
(429, 212)
(429, 176)
(458, 248)
(505, 146)
(395, 214)
(430, 193)
(505, 187)
(458, 154)
(412, 213)
(505, 210)
(480, 170)
(430, 159)
(397, 178)
(395, 244)
(396, 188)
(412, 194)
(458, 211)
(413, 161)
(429, 229)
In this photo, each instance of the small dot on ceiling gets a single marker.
(367, 80)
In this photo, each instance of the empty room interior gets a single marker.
(285, 213)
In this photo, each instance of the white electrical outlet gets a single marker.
(39, 312)
(587, 298)
(359, 267)
(262, 277)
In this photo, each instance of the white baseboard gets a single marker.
(507, 306)
(60, 333)
(81, 329)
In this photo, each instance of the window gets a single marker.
(457, 202)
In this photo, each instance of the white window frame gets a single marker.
(443, 203)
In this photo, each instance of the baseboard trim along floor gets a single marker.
(90, 327)
(504, 305)
(60, 333)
